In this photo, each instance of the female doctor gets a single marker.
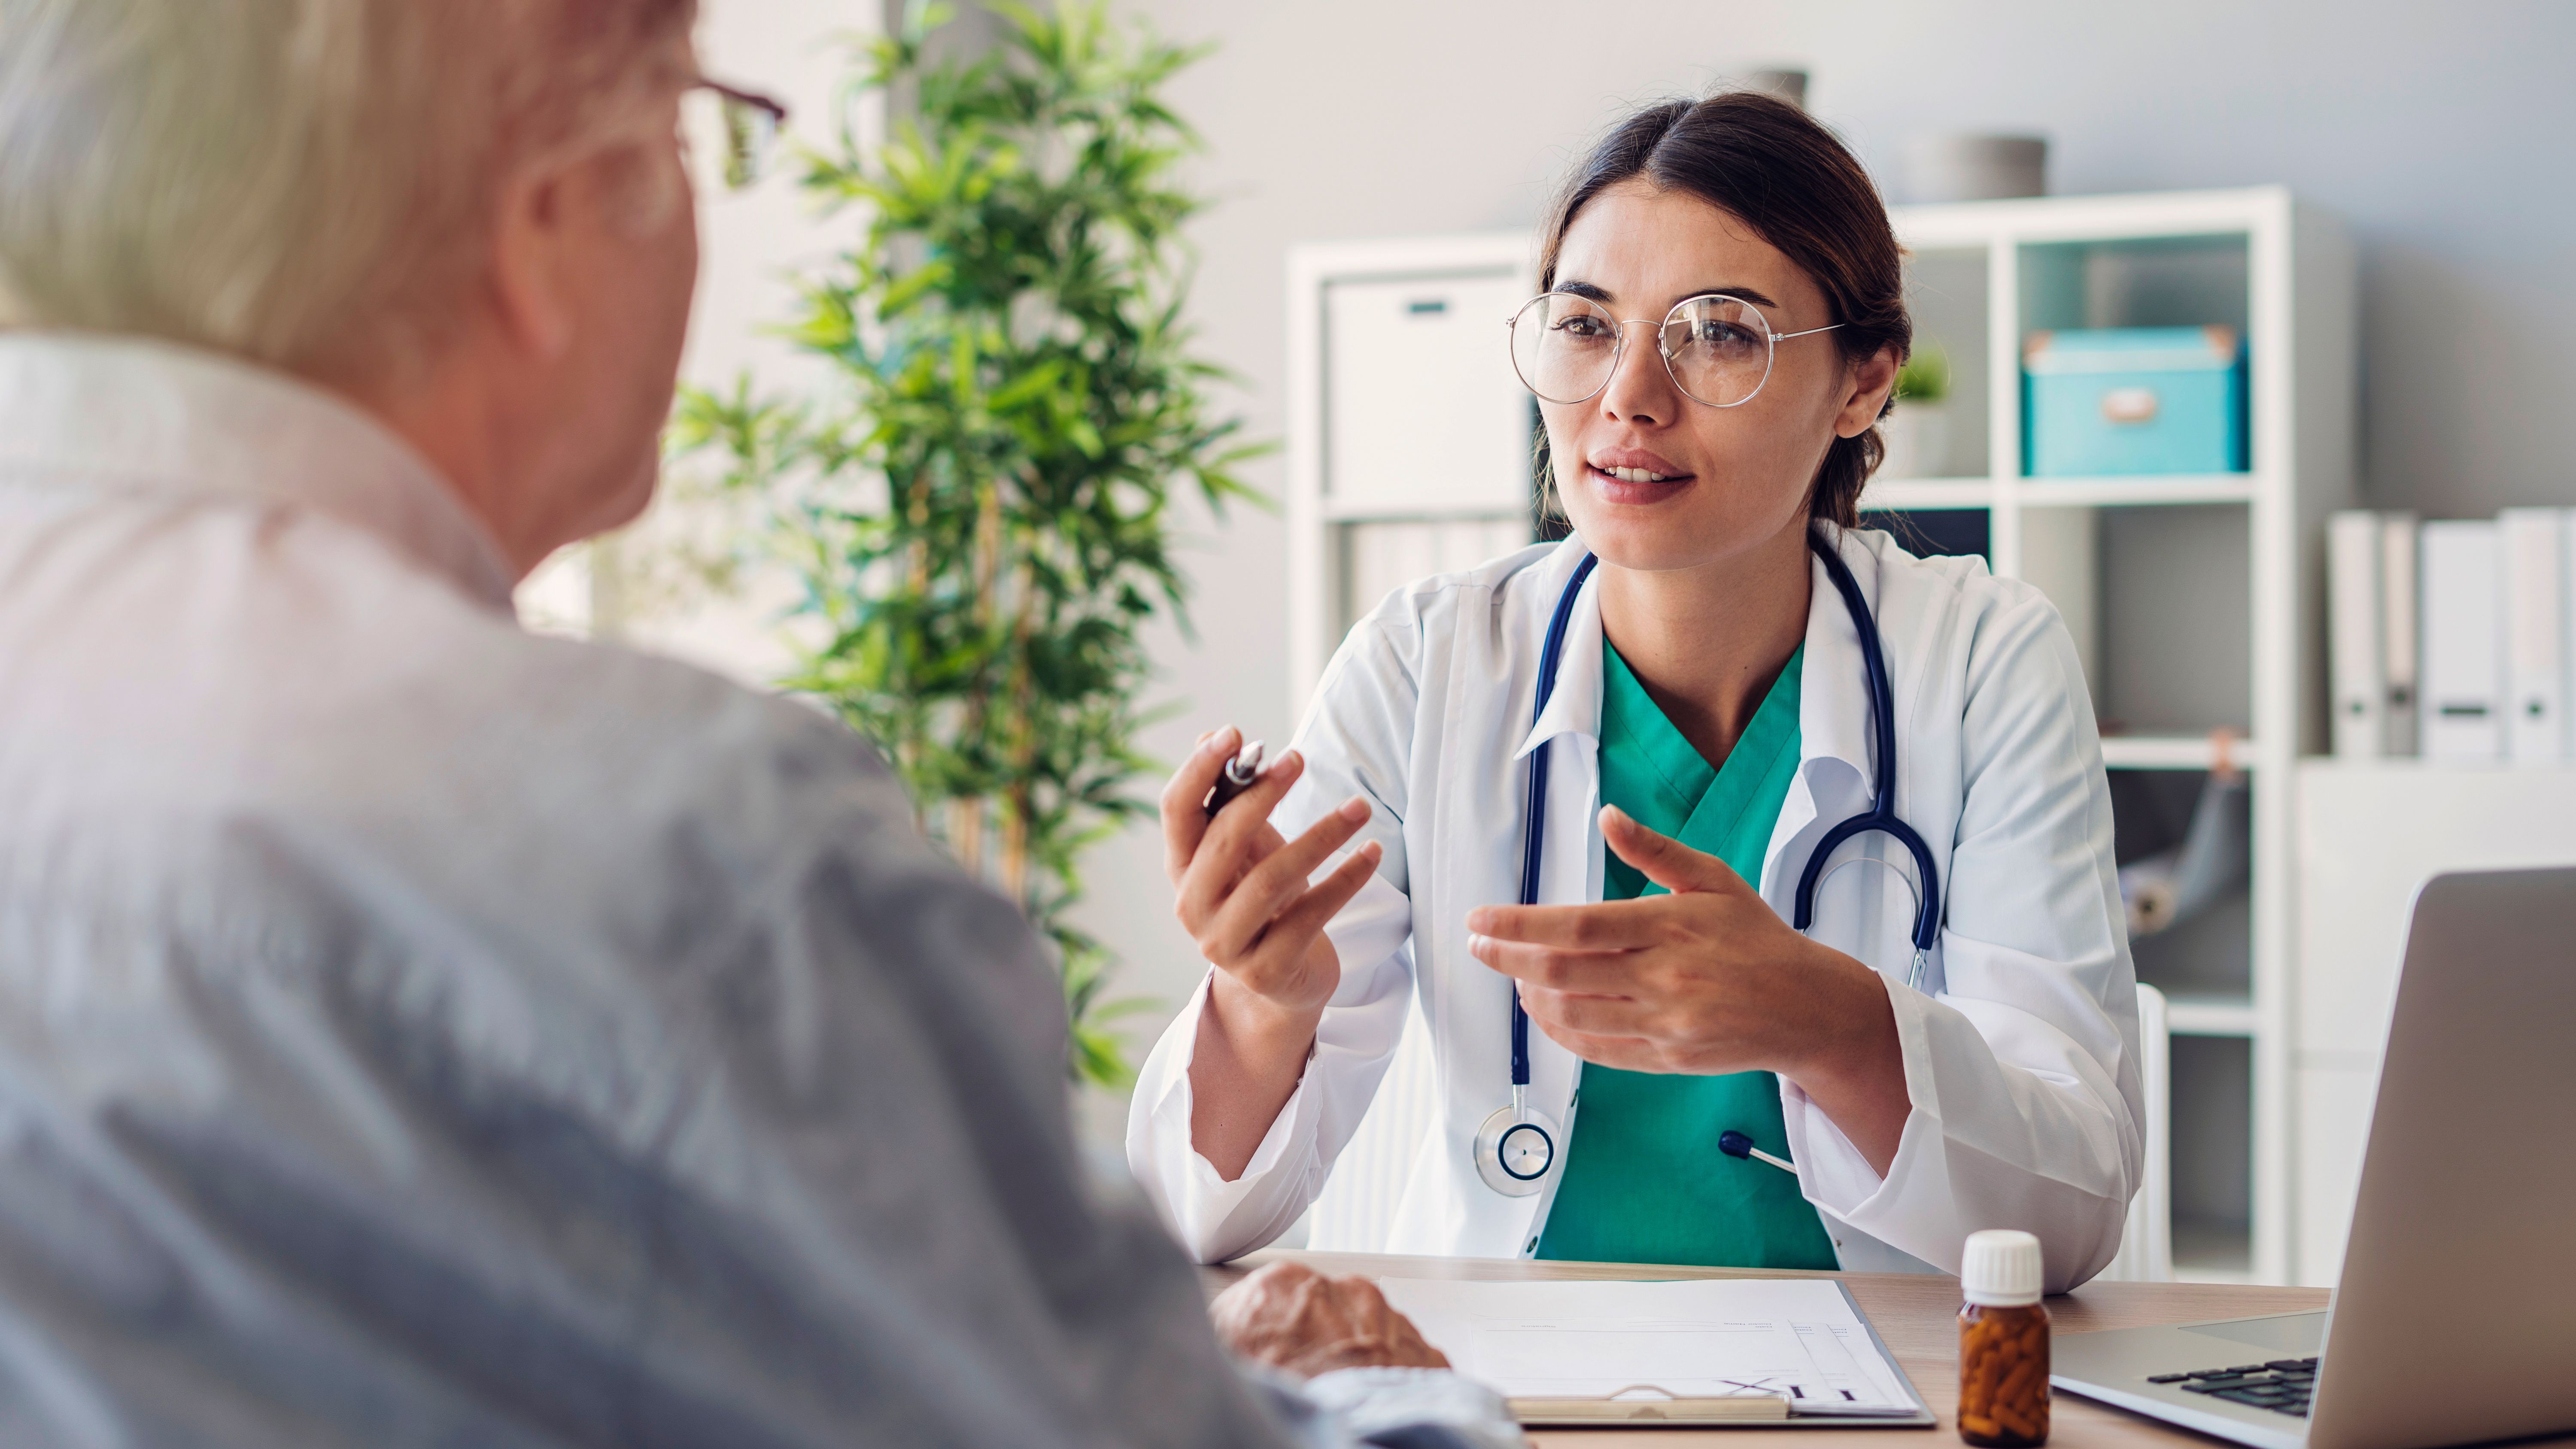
(1597, 786)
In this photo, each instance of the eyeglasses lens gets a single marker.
(1564, 347)
(1719, 348)
(751, 133)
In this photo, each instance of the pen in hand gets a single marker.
(1237, 776)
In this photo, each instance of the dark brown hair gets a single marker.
(1770, 165)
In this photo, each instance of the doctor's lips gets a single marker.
(1636, 465)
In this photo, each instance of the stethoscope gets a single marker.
(1516, 1146)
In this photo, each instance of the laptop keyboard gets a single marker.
(2282, 1385)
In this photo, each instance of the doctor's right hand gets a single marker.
(1244, 893)
(1242, 889)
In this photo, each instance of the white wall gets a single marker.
(795, 51)
(2439, 131)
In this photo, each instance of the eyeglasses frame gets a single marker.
(1619, 348)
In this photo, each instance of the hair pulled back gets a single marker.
(1773, 167)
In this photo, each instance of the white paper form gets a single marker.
(1691, 1338)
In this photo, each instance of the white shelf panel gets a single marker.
(2211, 1016)
(2091, 218)
(1362, 510)
(2135, 492)
(2224, 1265)
(2145, 491)
(1906, 494)
(2174, 752)
(2416, 765)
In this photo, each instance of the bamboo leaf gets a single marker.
(978, 513)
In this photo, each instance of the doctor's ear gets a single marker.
(1871, 379)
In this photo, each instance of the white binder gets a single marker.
(2533, 543)
(2356, 658)
(2463, 653)
(2400, 619)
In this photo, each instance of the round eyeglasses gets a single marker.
(1717, 348)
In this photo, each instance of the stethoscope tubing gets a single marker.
(1880, 817)
(1534, 839)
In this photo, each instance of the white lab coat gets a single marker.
(2021, 1048)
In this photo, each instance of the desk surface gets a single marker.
(1916, 1314)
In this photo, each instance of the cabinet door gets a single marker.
(1422, 413)
(2370, 833)
(2334, 1124)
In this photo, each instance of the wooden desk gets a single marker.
(1916, 1314)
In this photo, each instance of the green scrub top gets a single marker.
(1644, 1181)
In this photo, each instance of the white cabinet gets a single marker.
(2369, 833)
(1422, 415)
(1409, 439)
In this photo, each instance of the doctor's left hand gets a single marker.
(1704, 981)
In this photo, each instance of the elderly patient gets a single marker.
(417, 1032)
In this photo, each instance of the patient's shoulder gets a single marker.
(645, 768)
(291, 692)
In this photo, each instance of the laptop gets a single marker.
(2455, 1317)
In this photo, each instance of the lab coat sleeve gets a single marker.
(2022, 1071)
(1356, 741)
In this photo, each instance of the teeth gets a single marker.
(1636, 475)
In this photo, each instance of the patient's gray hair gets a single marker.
(310, 183)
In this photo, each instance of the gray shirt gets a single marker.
(418, 1032)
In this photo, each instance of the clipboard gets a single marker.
(1646, 1406)
(1920, 1418)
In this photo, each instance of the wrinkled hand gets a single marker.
(1302, 1322)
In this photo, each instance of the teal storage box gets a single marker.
(2133, 400)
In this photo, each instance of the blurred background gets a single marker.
(2431, 139)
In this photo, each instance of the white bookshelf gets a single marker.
(2196, 601)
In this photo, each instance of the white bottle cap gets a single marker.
(2001, 1268)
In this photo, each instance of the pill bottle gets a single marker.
(2003, 1343)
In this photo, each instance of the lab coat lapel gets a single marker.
(1570, 725)
(1575, 707)
(1834, 766)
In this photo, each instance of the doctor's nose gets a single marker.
(1640, 390)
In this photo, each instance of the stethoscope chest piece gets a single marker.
(1515, 1150)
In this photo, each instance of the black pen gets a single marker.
(1237, 776)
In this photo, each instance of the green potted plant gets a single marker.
(980, 510)
(1917, 431)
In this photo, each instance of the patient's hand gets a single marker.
(1295, 1319)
